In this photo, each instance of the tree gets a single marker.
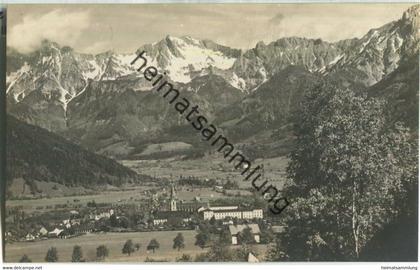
(202, 239)
(225, 237)
(212, 220)
(174, 222)
(102, 252)
(128, 247)
(344, 175)
(178, 242)
(219, 253)
(137, 246)
(113, 221)
(246, 236)
(124, 222)
(77, 255)
(153, 245)
(25, 259)
(241, 254)
(91, 204)
(51, 255)
(267, 236)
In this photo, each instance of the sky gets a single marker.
(124, 28)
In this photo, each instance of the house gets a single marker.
(278, 229)
(228, 222)
(9, 236)
(102, 215)
(191, 206)
(163, 217)
(159, 221)
(55, 233)
(66, 223)
(236, 229)
(85, 228)
(75, 222)
(29, 237)
(99, 216)
(218, 189)
(43, 231)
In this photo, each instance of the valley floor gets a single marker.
(211, 167)
(36, 251)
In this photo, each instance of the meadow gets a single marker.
(173, 168)
(208, 167)
(106, 196)
(36, 251)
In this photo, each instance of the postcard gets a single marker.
(200, 132)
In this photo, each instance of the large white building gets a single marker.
(222, 212)
(184, 211)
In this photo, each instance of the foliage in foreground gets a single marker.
(352, 173)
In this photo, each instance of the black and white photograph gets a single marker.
(176, 133)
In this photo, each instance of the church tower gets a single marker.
(172, 200)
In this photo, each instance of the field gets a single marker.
(208, 167)
(211, 167)
(117, 197)
(114, 241)
(110, 196)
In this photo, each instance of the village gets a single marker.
(157, 212)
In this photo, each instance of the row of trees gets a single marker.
(206, 237)
(219, 248)
(129, 247)
(102, 251)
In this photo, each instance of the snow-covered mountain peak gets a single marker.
(183, 40)
(381, 50)
(182, 57)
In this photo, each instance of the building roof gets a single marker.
(192, 204)
(56, 231)
(278, 228)
(207, 207)
(235, 229)
(171, 214)
(229, 210)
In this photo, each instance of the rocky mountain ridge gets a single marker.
(103, 103)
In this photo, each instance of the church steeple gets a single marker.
(173, 199)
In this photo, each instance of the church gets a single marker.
(173, 214)
(177, 211)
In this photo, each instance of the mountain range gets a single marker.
(103, 104)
